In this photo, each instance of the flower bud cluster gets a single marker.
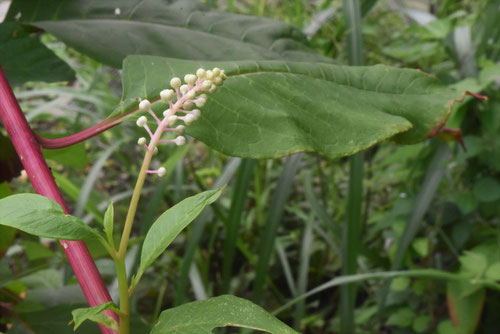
(186, 95)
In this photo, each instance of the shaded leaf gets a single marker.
(186, 29)
(170, 224)
(268, 109)
(25, 58)
(43, 217)
(10, 165)
(95, 314)
(201, 317)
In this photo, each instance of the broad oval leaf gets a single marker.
(43, 217)
(187, 29)
(24, 58)
(170, 224)
(268, 109)
(201, 317)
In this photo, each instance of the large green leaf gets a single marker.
(267, 109)
(170, 224)
(24, 58)
(95, 314)
(42, 216)
(187, 29)
(201, 317)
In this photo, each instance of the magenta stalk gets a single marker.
(43, 182)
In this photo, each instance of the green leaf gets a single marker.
(43, 217)
(473, 263)
(400, 283)
(95, 314)
(108, 224)
(201, 317)
(487, 189)
(403, 317)
(465, 308)
(24, 58)
(421, 323)
(185, 29)
(268, 109)
(421, 246)
(170, 224)
(493, 272)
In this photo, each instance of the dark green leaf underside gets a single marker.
(24, 58)
(202, 317)
(268, 109)
(186, 29)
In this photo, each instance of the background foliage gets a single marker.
(428, 205)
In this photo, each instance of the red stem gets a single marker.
(43, 182)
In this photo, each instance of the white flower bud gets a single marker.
(188, 105)
(190, 79)
(167, 113)
(167, 95)
(218, 81)
(196, 113)
(212, 88)
(206, 85)
(175, 83)
(145, 105)
(223, 75)
(203, 96)
(171, 119)
(188, 119)
(184, 89)
(180, 129)
(141, 141)
(191, 94)
(210, 75)
(161, 172)
(155, 151)
(180, 140)
(216, 71)
(200, 73)
(141, 121)
(200, 102)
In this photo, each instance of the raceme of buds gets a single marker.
(181, 99)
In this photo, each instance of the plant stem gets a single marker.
(42, 180)
(121, 274)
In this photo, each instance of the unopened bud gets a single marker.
(161, 172)
(180, 140)
(167, 95)
(171, 119)
(190, 79)
(141, 141)
(141, 121)
(188, 119)
(180, 129)
(175, 83)
(144, 105)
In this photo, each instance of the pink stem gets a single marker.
(43, 182)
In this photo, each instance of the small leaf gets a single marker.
(473, 263)
(400, 283)
(487, 189)
(493, 272)
(421, 323)
(403, 317)
(170, 224)
(421, 246)
(108, 224)
(201, 317)
(95, 314)
(43, 217)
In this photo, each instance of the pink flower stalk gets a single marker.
(43, 182)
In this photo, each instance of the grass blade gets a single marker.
(352, 226)
(276, 208)
(240, 195)
(305, 253)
